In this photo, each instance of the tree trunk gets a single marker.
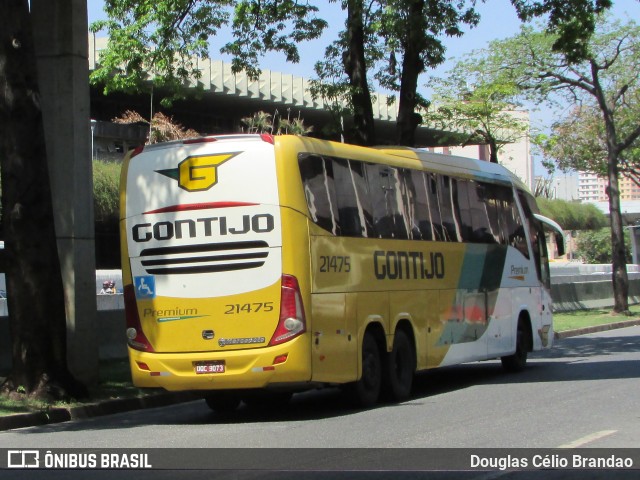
(493, 150)
(412, 67)
(356, 69)
(619, 278)
(37, 318)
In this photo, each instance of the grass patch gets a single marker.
(590, 318)
(114, 382)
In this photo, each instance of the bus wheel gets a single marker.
(365, 392)
(223, 402)
(399, 368)
(518, 361)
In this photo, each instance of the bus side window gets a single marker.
(538, 239)
(352, 197)
(450, 226)
(462, 209)
(421, 219)
(319, 190)
(383, 189)
(435, 215)
(496, 198)
(514, 226)
(481, 204)
(399, 205)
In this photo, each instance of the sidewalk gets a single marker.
(109, 407)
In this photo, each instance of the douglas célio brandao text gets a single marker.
(569, 460)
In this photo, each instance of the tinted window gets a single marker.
(354, 210)
(386, 203)
(515, 229)
(498, 201)
(462, 209)
(319, 189)
(400, 204)
(450, 227)
(435, 216)
(421, 223)
(480, 202)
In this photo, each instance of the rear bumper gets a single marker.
(247, 368)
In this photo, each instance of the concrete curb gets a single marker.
(597, 328)
(109, 407)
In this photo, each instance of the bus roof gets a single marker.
(453, 164)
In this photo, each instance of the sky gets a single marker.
(498, 21)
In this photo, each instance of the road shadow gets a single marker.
(571, 359)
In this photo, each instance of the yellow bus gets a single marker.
(256, 266)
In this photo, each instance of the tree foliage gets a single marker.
(479, 102)
(570, 22)
(391, 42)
(106, 190)
(606, 78)
(579, 142)
(572, 215)
(594, 247)
(159, 42)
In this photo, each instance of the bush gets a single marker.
(106, 185)
(573, 215)
(595, 247)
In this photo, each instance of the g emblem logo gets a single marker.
(198, 173)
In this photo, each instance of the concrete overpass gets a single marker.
(227, 97)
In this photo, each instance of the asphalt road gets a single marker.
(583, 393)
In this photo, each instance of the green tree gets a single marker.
(607, 79)
(156, 43)
(413, 30)
(579, 142)
(480, 105)
(572, 215)
(594, 247)
(571, 22)
(376, 34)
(106, 191)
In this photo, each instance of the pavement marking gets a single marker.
(588, 439)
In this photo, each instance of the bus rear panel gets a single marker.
(207, 302)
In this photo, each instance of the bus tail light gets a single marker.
(292, 321)
(135, 336)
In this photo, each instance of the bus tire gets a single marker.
(365, 392)
(399, 368)
(223, 402)
(518, 361)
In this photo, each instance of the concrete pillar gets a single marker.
(60, 35)
(635, 243)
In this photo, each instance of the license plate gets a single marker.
(213, 366)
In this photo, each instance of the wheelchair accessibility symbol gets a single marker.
(145, 286)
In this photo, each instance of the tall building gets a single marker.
(592, 188)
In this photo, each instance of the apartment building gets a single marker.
(592, 188)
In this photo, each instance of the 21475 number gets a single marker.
(335, 264)
(236, 308)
